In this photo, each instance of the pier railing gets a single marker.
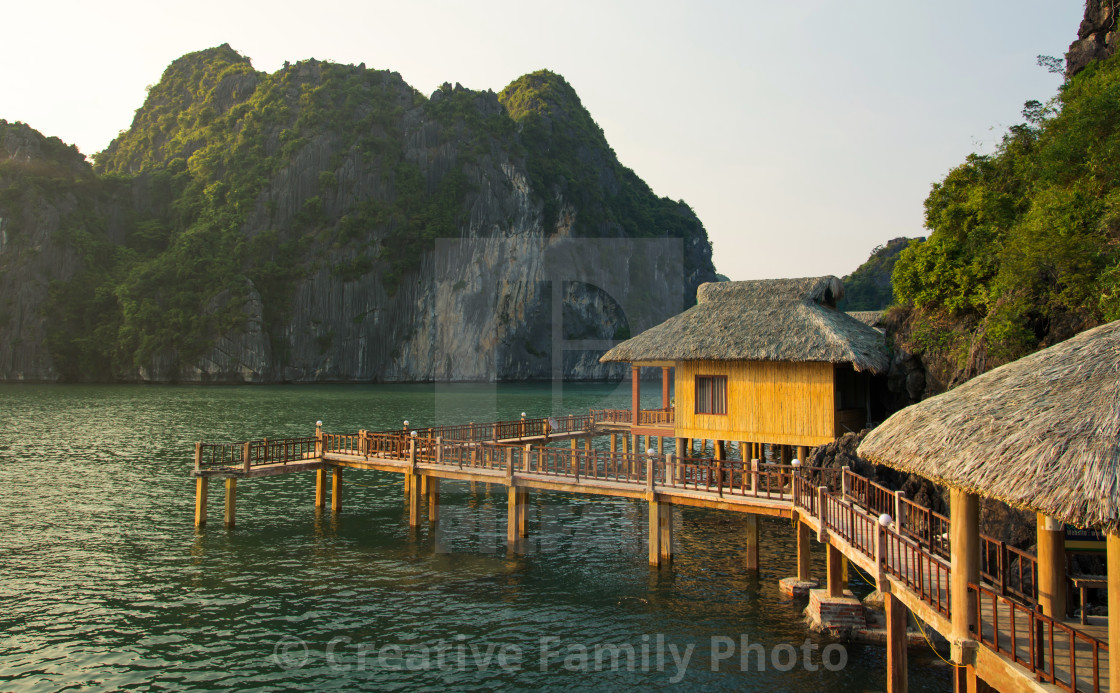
(1050, 649)
(253, 453)
(913, 547)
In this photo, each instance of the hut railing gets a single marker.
(612, 416)
(1048, 648)
(655, 417)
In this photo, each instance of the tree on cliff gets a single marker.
(1024, 245)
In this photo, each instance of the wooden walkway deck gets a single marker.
(908, 558)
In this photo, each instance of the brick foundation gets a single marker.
(792, 587)
(835, 613)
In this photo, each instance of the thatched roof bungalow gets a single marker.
(1041, 433)
(768, 361)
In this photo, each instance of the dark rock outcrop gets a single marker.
(1097, 37)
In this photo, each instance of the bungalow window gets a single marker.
(711, 394)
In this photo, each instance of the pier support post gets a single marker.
(412, 482)
(201, 490)
(635, 393)
(413, 500)
(964, 565)
(407, 485)
(614, 443)
(321, 488)
(433, 500)
(516, 516)
(750, 541)
(1113, 567)
(665, 387)
(804, 541)
(336, 490)
(803, 455)
(896, 644)
(835, 572)
(1051, 539)
(231, 502)
(660, 532)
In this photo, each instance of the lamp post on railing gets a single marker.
(650, 455)
(319, 438)
(885, 521)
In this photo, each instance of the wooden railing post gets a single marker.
(880, 556)
(822, 493)
(899, 507)
(439, 449)
(1002, 565)
(509, 468)
(669, 478)
(198, 456)
(318, 438)
(719, 477)
(265, 448)
(844, 481)
(649, 475)
(245, 455)
(527, 463)
(755, 477)
(363, 445)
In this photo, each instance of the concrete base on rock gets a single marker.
(835, 615)
(792, 587)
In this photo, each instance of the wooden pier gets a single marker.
(988, 609)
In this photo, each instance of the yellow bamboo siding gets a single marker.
(772, 402)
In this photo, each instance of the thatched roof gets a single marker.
(763, 320)
(871, 318)
(1041, 433)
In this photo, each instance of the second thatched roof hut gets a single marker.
(768, 361)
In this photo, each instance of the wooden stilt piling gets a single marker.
(231, 502)
(201, 490)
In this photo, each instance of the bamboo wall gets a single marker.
(767, 402)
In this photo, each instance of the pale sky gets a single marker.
(802, 133)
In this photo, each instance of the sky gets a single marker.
(803, 134)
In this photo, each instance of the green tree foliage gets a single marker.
(869, 287)
(1024, 248)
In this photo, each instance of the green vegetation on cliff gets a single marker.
(869, 286)
(234, 185)
(1024, 248)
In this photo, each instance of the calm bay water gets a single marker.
(106, 585)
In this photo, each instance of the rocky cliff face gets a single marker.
(328, 223)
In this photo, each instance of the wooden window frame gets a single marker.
(717, 402)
